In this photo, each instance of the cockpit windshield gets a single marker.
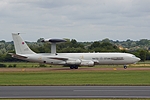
(134, 56)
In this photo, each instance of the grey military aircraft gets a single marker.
(73, 60)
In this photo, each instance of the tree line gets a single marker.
(138, 48)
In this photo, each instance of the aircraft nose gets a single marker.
(138, 59)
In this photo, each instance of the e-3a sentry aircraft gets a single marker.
(74, 60)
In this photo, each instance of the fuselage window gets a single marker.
(117, 58)
(95, 58)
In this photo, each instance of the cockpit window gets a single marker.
(133, 56)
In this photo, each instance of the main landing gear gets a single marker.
(74, 66)
(125, 66)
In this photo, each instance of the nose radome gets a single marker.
(138, 59)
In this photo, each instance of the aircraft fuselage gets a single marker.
(72, 59)
(97, 58)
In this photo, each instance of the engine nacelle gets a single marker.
(87, 63)
(73, 62)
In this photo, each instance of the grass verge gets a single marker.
(76, 99)
(74, 77)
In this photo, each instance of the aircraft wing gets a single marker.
(59, 58)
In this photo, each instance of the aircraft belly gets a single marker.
(112, 62)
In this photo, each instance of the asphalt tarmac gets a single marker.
(74, 91)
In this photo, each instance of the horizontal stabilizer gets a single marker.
(18, 56)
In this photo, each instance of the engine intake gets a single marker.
(87, 63)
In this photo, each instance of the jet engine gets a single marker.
(73, 62)
(87, 63)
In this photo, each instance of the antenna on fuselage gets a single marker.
(53, 44)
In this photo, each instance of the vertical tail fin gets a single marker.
(20, 46)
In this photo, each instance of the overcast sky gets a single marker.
(83, 20)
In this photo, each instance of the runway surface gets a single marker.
(74, 91)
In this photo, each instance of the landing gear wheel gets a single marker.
(75, 67)
(71, 67)
(125, 67)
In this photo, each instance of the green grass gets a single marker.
(73, 77)
(78, 99)
(23, 64)
(145, 62)
(37, 65)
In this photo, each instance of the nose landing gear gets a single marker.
(125, 66)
